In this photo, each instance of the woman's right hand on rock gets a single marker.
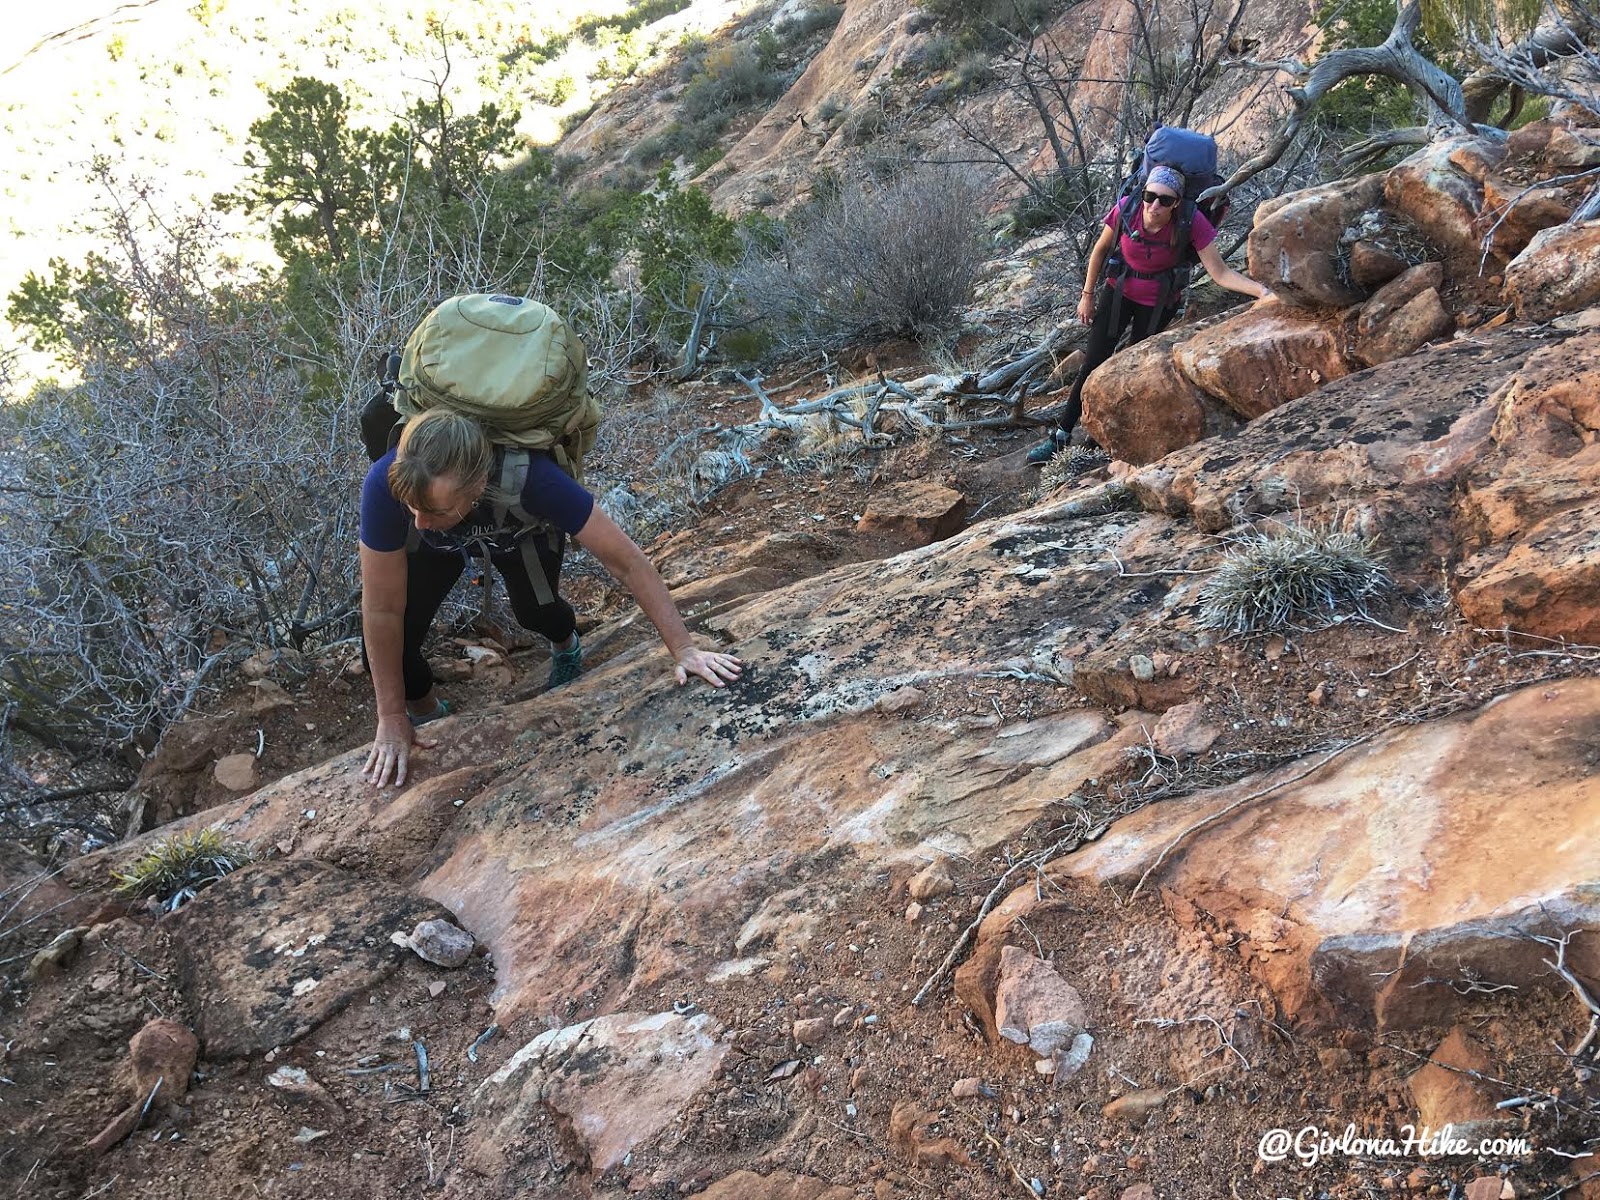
(1086, 308)
(391, 750)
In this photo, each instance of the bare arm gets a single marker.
(621, 556)
(383, 614)
(1091, 276)
(1226, 276)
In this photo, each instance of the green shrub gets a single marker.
(1298, 576)
(813, 20)
(730, 77)
(990, 22)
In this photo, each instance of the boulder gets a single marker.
(1392, 442)
(1372, 264)
(1140, 407)
(1357, 892)
(1396, 294)
(1262, 358)
(1504, 506)
(1517, 212)
(1477, 157)
(1572, 149)
(1547, 416)
(1546, 584)
(1433, 192)
(1294, 247)
(1525, 147)
(1421, 320)
(1557, 273)
(912, 514)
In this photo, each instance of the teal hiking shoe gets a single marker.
(566, 665)
(1049, 448)
(443, 710)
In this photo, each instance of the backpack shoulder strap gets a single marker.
(514, 462)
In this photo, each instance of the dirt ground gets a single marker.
(1214, 1088)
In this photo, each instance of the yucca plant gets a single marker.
(1067, 464)
(1296, 577)
(175, 869)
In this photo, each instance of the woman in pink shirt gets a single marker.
(1144, 285)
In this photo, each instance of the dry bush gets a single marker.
(1295, 577)
(871, 260)
(186, 497)
(193, 495)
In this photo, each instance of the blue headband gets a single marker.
(1165, 176)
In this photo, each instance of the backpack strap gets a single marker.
(514, 463)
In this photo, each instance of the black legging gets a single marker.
(1112, 316)
(430, 574)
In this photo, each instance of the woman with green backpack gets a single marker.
(446, 489)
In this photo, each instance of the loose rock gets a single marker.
(441, 943)
(932, 881)
(1034, 1006)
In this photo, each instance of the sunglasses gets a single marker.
(1161, 198)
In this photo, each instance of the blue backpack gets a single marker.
(1194, 156)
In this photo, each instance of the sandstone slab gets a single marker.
(271, 951)
(617, 1080)
(1361, 889)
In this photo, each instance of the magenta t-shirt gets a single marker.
(1154, 257)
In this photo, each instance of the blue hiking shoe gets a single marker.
(1049, 448)
(566, 665)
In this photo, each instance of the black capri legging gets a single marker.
(1112, 317)
(431, 573)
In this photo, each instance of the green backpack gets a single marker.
(512, 364)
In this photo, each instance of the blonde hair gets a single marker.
(439, 444)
